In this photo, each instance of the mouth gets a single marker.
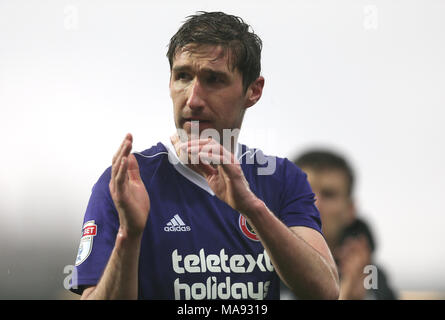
(196, 123)
(198, 120)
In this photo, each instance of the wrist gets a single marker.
(252, 208)
(125, 235)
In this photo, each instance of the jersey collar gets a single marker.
(188, 173)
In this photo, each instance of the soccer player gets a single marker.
(199, 218)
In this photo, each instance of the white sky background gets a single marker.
(363, 77)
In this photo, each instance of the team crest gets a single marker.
(247, 229)
(89, 230)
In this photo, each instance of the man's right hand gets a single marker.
(120, 277)
(128, 191)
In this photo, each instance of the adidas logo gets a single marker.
(176, 225)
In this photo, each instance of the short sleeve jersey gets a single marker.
(194, 245)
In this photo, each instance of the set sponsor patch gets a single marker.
(89, 231)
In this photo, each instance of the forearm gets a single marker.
(120, 277)
(307, 273)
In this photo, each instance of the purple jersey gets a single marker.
(194, 245)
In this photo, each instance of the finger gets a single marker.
(211, 166)
(216, 148)
(208, 146)
(121, 175)
(194, 142)
(175, 141)
(123, 152)
(133, 168)
(128, 140)
(211, 155)
(209, 158)
(117, 159)
(205, 169)
(208, 170)
(193, 147)
(229, 164)
(128, 137)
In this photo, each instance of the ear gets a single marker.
(254, 92)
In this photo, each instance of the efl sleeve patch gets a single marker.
(89, 231)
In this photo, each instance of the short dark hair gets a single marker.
(326, 160)
(357, 228)
(229, 31)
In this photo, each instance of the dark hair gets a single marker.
(326, 160)
(231, 32)
(356, 228)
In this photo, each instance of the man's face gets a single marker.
(332, 200)
(205, 88)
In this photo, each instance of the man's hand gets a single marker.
(128, 191)
(353, 256)
(222, 171)
(120, 277)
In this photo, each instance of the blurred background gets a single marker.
(364, 78)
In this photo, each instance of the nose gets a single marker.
(196, 95)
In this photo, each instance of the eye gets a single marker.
(183, 76)
(212, 79)
(215, 79)
(329, 194)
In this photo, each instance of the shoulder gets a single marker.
(284, 186)
(152, 155)
(274, 167)
(384, 290)
(148, 160)
(275, 177)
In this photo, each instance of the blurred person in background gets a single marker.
(332, 181)
(349, 238)
(354, 257)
